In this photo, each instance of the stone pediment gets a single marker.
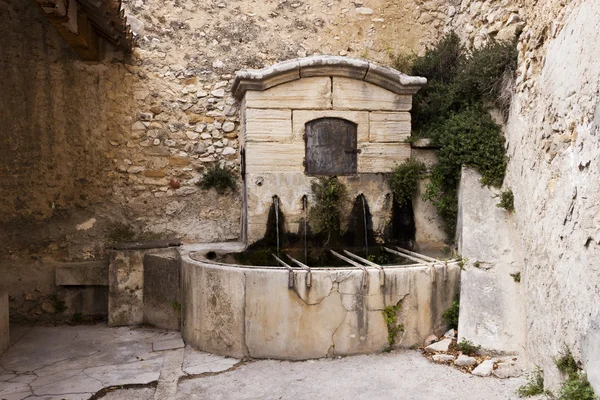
(333, 66)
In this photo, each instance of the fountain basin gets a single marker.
(270, 312)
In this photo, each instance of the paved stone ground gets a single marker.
(81, 362)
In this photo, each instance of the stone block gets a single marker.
(265, 157)
(381, 157)
(126, 288)
(4, 324)
(387, 127)
(92, 273)
(350, 94)
(162, 299)
(86, 300)
(301, 117)
(268, 125)
(213, 300)
(490, 299)
(306, 93)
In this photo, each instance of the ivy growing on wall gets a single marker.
(331, 203)
(404, 180)
(454, 110)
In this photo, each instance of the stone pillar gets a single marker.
(490, 298)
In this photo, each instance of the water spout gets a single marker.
(305, 208)
(276, 204)
(364, 207)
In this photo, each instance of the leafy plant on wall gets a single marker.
(454, 110)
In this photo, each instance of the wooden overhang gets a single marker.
(83, 23)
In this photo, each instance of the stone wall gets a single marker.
(125, 141)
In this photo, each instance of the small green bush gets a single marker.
(467, 347)
(404, 180)
(404, 62)
(566, 363)
(534, 385)
(577, 387)
(516, 276)
(507, 200)
(390, 315)
(453, 110)
(331, 202)
(450, 316)
(59, 305)
(219, 177)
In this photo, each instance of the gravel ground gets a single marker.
(398, 375)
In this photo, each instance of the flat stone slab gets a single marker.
(168, 344)
(465, 361)
(75, 362)
(198, 362)
(442, 358)
(484, 369)
(507, 370)
(442, 346)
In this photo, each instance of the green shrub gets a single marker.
(453, 110)
(534, 385)
(507, 200)
(404, 180)
(516, 276)
(331, 201)
(450, 316)
(59, 305)
(576, 387)
(390, 316)
(467, 347)
(470, 138)
(566, 362)
(404, 62)
(219, 177)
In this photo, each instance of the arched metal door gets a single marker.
(331, 147)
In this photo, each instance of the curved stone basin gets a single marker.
(260, 312)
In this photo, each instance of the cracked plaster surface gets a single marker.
(75, 362)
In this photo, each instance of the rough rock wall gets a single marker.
(552, 140)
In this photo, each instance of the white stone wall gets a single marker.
(274, 127)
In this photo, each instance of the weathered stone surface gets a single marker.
(484, 369)
(441, 346)
(464, 360)
(389, 127)
(306, 93)
(4, 325)
(198, 362)
(167, 344)
(263, 156)
(162, 300)
(451, 334)
(268, 125)
(93, 273)
(490, 313)
(430, 340)
(381, 157)
(507, 370)
(351, 94)
(126, 283)
(213, 300)
(443, 358)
